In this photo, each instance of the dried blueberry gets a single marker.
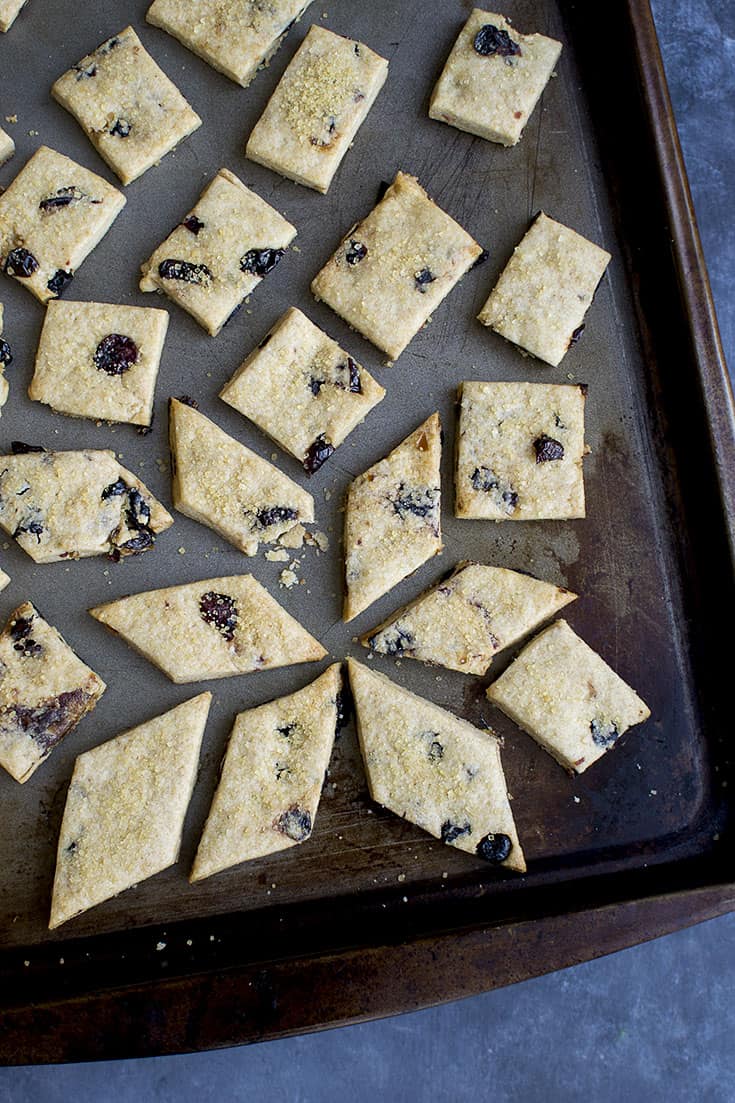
(287, 730)
(19, 262)
(187, 400)
(422, 278)
(315, 385)
(116, 354)
(494, 847)
(436, 751)
(6, 356)
(260, 261)
(138, 513)
(356, 252)
(34, 527)
(85, 74)
(185, 271)
(59, 281)
(355, 383)
(61, 198)
(220, 611)
(141, 542)
(20, 628)
(294, 822)
(576, 335)
(193, 224)
(20, 448)
(484, 479)
(49, 722)
(394, 641)
(121, 128)
(604, 733)
(452, 831)
(106, 47)
(546, 449)
(330, 125)
(275, 514)
(114, 489)
(419, 501)
(317, 454)
(28, 648)
(491, 40)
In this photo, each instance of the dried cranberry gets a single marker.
(317, 454)
(19, 262)
(116, 354)
(187, 400)
(260, 262)
(604, 733)
(114, 489)
(491, 40)
(393, 641)
(576, 335)
(274, 514)
(546, 449)
(494, 847)
(295, 823)
(220, 611)
(121, 128)
(59, 281)
(138, 513)
(452, 831)
(6, 356)
(418, 501)
(20, 448)
(422, 278)
(356, 252)
(61, 198)
(34, 527)
(193, 224)
(185, 271)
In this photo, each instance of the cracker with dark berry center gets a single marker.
(219, 253)
(221, 483)
(129, 109)
(45, 690)
(543, 293)
(393, 518)
(519, 451)
(51, 217)
(433, 769)
(567, 698)
(394, 268)
(125, 809)
(210, 629)
(466, 619)
(272, 777)
(99, 360)
(303, 390)
(320, 103)
(237, 37)
(493, 78)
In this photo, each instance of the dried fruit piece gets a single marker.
(20, 263)
(495, 847)
(422, 278)
(6, 356)
(116, 354)
(317, 454)
(487, 481)
(193, 224)
(355, 252)
(604, 733)
(220, 611)
(62, 197)
(186, 271)
(272, 515)
(417, 501)
(452, 831)
(547, 449)
(261, 261)
(491, 40)
(114, 489)
(295, 822)
(121, 128)
(59, 281)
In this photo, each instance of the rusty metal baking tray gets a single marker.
(371, 916)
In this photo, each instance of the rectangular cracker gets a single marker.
(317, 108)
(393, 269)
(519, 451)
(545, 290)
(237, 37)
(493, 78)
(219, 253)
(129, 109)
(99, 360)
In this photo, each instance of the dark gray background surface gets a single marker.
(655, 1022)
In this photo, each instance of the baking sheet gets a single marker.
(649, 800)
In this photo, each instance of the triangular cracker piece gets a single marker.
(210, 629)
(433, 769)
(221, 483)
(272, 777)
(125, 809)
(467, 618)
(392, 520)
(69, 505)
(45, 690)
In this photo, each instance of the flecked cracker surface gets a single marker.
(430, 767)
(235, 36)
(464, 621)
(567, 698)
(519, 451)
(272, 777)
(7, 146)
(317, 108)
(210, 629)
(221, 483)
(77, 372)
(127, 106)
(214, 258)
(545, 290)
(51, 217)
(9, 10)
(393, 518)
(302, 389)
(125, 809)
(45, 690)
(396, 266)
(70, 505)
(493, 95)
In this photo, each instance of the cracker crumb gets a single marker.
(294, 538)
(11, 119)
(182, 551)
(287, 579)
(160, 946)
(280, 555)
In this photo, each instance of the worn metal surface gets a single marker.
(657, 797)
